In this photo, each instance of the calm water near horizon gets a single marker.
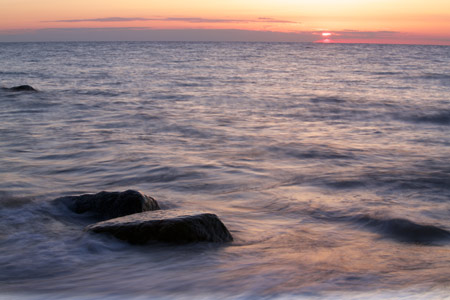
(327, 162)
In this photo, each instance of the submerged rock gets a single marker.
(406, 231)
(21, 88)
(108, 205)
(173, 226)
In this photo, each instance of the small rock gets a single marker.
(21, 88)
(406, 231)
(172, 226)
(108, 205)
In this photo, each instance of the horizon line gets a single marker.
(237, 42)
(146, 34)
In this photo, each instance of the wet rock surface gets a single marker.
(406, 231)
(108, 205)
(21, 88)
(172, 226)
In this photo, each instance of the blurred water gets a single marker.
(324, 161)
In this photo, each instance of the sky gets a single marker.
(323, 21)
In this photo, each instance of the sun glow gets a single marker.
(326, 34)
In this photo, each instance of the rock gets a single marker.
(172, 226)
(21, 88)
(108, 205)
(404, 230)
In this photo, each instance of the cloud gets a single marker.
(367, 34)
(174, 19)
(112, 19)
(270, 20)
(203, 20)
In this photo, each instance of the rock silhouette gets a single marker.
(108, 205)
(21, 88)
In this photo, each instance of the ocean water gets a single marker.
(329, 164)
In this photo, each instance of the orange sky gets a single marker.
(396, 21)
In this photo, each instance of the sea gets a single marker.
(328, 163)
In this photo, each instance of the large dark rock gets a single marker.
(173, 226)
(108, 205)
(21, 88)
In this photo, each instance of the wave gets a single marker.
(397, 229)
(438, 76)
(7, 200)
(188, 84)
(429, 174)
(191, 132)
(96, 92)
(440, 79)
(327, 99)
(386, 73)
(157, 175)
(42, 239)
(13, 73)
(439, 118)
(430, 181)
(305, 151)
(350, 183)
